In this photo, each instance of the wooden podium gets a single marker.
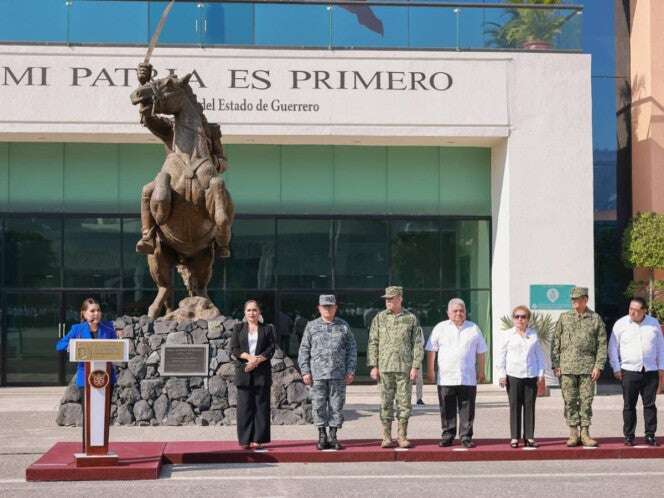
(98, 356)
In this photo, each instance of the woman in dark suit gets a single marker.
(252, 344)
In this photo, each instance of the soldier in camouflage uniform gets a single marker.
(578, 353)
(394, 355)
(327, 359)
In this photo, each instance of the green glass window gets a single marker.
(429, 308)
(299, 308)
(29, 338)
(2, 252)
(295, 179)
(415, 258)
(90, 178)
(285, 262)
(135, 271)
(135, 302)
(359, 309)
(35, 177)
(92, 252)
(465, 254)
(252, 261)
(361, 253)
(33, 252)
(303, 254)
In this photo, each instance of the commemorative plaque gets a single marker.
(184, 360)
(114, 350)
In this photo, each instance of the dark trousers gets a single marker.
(635, 384)
(522, 394)
(253, 414)
(451, 400)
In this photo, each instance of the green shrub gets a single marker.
(525, 26)
(643, 247)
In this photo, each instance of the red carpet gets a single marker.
(137, 461)
(424, 450)
(144, 460)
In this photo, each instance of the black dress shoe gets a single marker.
(467, 443)
(629, 441)
(445, 442)
(651, 441)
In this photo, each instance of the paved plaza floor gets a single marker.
(27, 429)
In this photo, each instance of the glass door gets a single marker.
(32, 327)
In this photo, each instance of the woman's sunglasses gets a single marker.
(520, 317)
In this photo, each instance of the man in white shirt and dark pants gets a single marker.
(461, 349)
(636, 353)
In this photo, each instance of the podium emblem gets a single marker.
(98, 379)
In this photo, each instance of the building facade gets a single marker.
(424, 157)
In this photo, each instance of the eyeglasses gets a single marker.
(520, 317)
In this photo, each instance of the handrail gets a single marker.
(377, 24)
(386, 3)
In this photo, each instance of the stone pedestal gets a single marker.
(142, 397)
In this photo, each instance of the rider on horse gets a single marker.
(196, 181)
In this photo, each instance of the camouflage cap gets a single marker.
(327, 300)
(393, 291)
(578, 292)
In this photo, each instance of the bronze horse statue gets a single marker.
(186, 212)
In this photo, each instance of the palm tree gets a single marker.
(526, 28)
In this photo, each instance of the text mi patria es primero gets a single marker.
(255, 80)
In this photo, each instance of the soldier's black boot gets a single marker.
(334, 444)
(322, 439)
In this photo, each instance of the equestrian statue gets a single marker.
(186, 211)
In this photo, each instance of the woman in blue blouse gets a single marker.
(520, 364)
(91, 327)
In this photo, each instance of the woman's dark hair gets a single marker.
(86, 304)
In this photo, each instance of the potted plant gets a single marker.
(544, 325)
(532, 29)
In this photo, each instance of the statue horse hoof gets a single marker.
(153, 311)
(145, 246)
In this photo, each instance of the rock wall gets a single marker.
(142, 397)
